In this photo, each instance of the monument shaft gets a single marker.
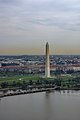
(47, 62)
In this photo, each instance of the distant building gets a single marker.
(9, 64)
(0, 65)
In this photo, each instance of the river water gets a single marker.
(56, 105)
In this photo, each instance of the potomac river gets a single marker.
(56, 105)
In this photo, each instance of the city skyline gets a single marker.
(26, 25)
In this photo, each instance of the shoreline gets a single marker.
(35, 91)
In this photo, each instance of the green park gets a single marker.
(62, 80)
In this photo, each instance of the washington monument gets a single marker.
(47, 62)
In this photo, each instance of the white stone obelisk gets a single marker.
(47, 62)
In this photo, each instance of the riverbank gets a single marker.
(26, 92)
(35, 91)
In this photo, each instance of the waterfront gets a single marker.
(56, 105)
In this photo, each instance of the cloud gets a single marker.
(10, 2)
(24, 13)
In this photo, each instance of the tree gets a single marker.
(30, 82)
(14, 84)
(4, 84)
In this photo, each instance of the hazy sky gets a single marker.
(26, 26)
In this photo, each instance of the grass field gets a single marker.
(19, 78)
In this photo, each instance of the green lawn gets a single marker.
(19, 78)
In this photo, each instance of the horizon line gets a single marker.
(33, 54)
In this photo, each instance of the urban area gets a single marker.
(26, 72)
